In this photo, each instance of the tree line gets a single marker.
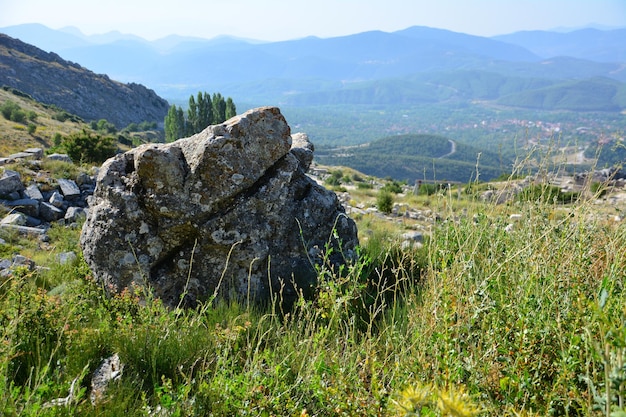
(204, 110)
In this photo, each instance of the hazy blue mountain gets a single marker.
(43, 37)
(414, 65)
(591, 44)
(491, 48)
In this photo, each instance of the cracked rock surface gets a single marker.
(229, 211)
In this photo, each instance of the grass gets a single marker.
(16, 136)
(482, 320)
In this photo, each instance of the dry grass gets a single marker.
(14, 137)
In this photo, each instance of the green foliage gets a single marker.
(478, 321)
(416, 157)
(32, 128)
(393, 187)
(384, 201)
(219, 108)
(57, 139)
(12, 111)
(335, 178)
(88, 147)
(596, 94)
(103, 126)
(610, 155)
(598, 189)
(230, 110)
(431, 188)
(547, 194)
(174, 124)
(202, 111)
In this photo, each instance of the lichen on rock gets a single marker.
(229, 211)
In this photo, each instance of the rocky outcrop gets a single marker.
(227, 212)
(50, 79)
(34, 203)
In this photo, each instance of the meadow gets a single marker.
(480, 320)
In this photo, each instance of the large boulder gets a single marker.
(226, 212)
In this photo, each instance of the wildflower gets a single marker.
(413, 399)
(456, 403)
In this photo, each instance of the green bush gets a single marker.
(384, 201)
(87, 147)
(103, 125)
(544, 193)
(430, 189)
(8, 108)
(61, 116)
(57, 139)
(393, 187)
(32, 128)
(12, 111)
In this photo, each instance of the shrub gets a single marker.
(32, 128)
(430, 189)
(61, 116)
(544, 193)
(393, 187)
(144, 126)
(12, 111)
(57, 139)
(384, 201)
(598, 189)
(8, 108)
(89, 147)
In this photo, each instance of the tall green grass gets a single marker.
(481, 320)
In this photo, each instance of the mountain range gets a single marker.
(415, 65)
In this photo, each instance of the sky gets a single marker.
(274, 20)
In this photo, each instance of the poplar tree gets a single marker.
(192, 117)
(205, 110)
(219, 108)
(175, 124)
(231, 110)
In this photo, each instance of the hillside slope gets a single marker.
(52, 80)
(416, 157)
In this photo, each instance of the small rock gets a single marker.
(33, 192)
(18, 219)
(20, 260)
(83, 179)
(413, 236)
(37, 153)
(27, 206)
(109, 370)
(66, 257)
(56, 199)
(11, 184)
(69, 189)
(50, 213)
(74, 214)
(60, 157)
